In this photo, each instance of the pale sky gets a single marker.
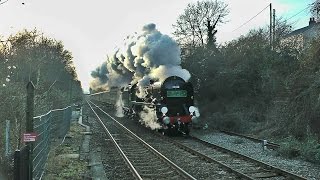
(90, 29)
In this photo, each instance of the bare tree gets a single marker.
(197, 25)
(315, 9)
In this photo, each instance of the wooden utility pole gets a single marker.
(270, 35)
(274, 27)
(29, 125)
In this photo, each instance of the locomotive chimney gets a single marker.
(312, 21)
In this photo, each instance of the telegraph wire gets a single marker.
(298, 12)
(251, 18)
(3, 2)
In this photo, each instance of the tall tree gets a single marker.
(197, 25)
(315, 9)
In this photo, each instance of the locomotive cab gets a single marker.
(172, 101)
(176, 100)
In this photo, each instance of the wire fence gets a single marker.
(51, 129)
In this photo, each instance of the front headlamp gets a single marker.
(164, 110)
(192, 109)
(166, 120)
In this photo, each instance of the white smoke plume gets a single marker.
(119, 106)
(149, 118)
(144, 56)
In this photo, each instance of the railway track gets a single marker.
(233, 163)
(142, 159)
(244, 167)
(270, 145)
(240, 164)
(195, 165)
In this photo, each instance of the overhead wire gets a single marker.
(265, 9)
(251, 18)
(299, 12)
(3, 2)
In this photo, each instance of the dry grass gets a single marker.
(61, 166)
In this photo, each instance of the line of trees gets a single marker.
(30, 56)
(247, 87)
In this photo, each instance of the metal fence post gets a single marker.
(30, 161)
(69, 115)
(7, 151)
(29, 125)
(16, 170)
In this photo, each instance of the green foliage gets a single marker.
(245, 86)
(311, 150)
(308, 148)
(231, 79)
(290, 148)
(30, 56)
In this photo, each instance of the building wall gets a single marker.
(301, 40)
(311, 33)
(294, 42)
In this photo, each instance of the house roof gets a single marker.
(304, 29)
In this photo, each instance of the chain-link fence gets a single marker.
(51, 129)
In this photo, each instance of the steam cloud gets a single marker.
(119, 105)
(144, 56)
(149, 118)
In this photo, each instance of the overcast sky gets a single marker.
(90, 29)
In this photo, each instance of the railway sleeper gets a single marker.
(256, 171)
(147, 164)
(265, 175)
(155, 175)
(144, 161)
(163, 175)
(152, 169)
(134, 152)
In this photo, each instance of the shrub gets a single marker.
(310, 150)
(289, 148)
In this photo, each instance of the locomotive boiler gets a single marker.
(172, 101)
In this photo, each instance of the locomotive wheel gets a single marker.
(162, 131)
(186, 129)
(173, 131)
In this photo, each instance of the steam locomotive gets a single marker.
(172, 101)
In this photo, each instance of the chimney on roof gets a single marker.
(312, 21)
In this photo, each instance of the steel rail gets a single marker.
(183, 172)
(275, 169)
(269, 144)
(207, 158)
(133, 170)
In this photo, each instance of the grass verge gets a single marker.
(63, 161)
